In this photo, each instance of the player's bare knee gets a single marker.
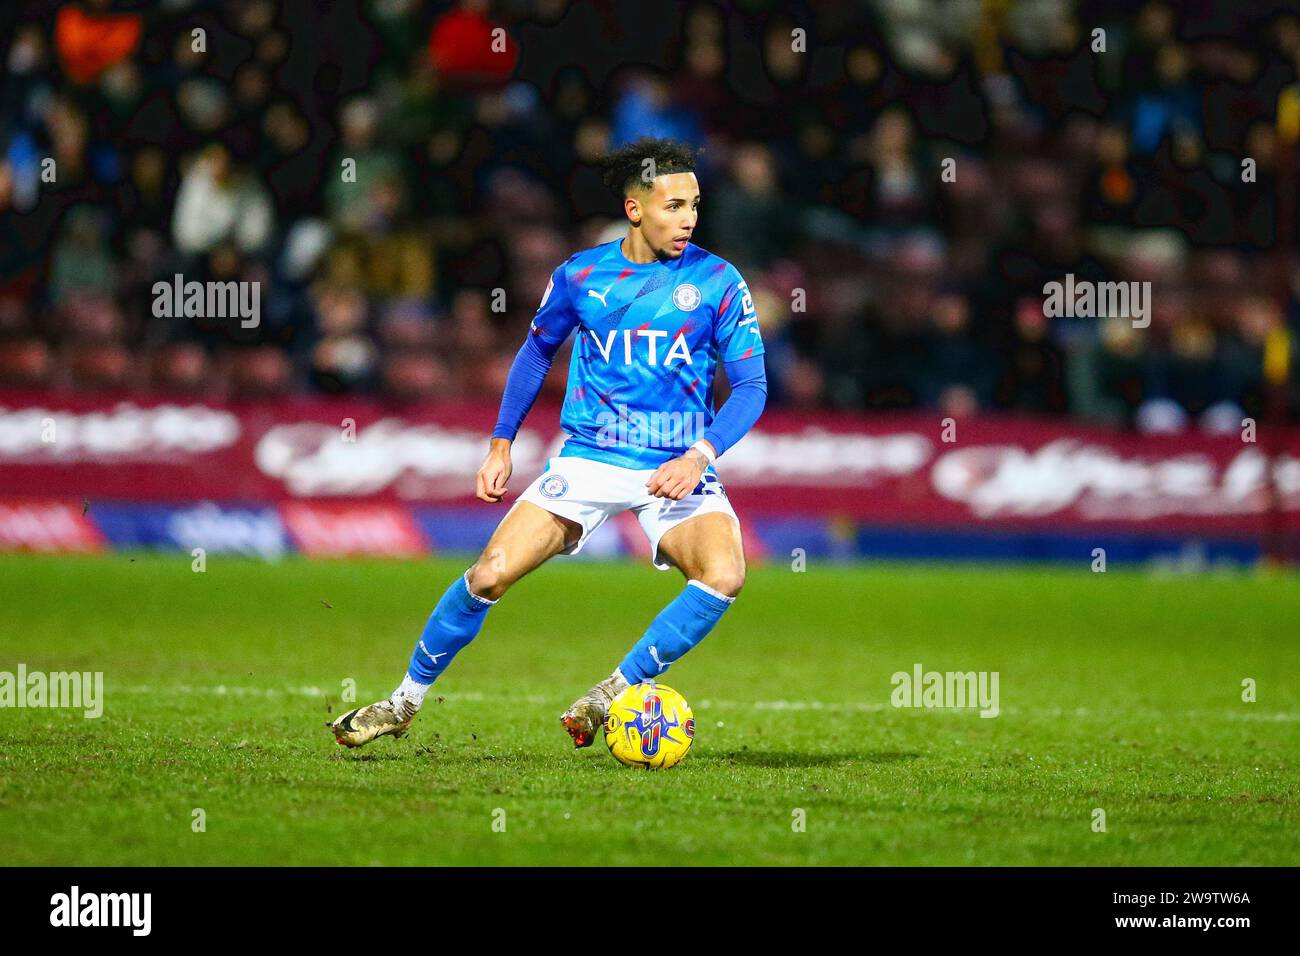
(727, 579)
(487, 580)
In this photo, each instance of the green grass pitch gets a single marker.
(1119, 691)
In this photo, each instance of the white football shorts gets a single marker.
(589, 492)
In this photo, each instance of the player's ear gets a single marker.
(632, 207)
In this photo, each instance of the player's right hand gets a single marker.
(491, 479)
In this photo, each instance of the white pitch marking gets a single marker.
(223, 690)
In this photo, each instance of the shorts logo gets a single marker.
(709, 485)
(686, 297)
(553, 486)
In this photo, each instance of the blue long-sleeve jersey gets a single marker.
(650, 337)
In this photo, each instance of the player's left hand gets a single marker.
(677, 478)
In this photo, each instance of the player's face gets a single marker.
(667, 213)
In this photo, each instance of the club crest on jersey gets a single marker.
(553, 486)
(686, 297)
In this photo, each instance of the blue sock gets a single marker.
(453, 624)
(678, 628)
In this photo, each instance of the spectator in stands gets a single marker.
(217, 202)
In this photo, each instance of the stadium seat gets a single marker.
(99, 367)
(25, 363)
(181, 368)
(261, 371)
(415, 375)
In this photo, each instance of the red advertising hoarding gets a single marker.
(899, 470)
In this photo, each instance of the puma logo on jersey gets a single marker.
(601, 295)
(680, 350)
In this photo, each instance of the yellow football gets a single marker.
(649, 725)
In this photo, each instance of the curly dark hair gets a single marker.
(624, 168)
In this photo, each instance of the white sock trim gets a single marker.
(708, 590)
(410, 690)
(470, 592)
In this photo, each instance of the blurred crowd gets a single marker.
(896, 180)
